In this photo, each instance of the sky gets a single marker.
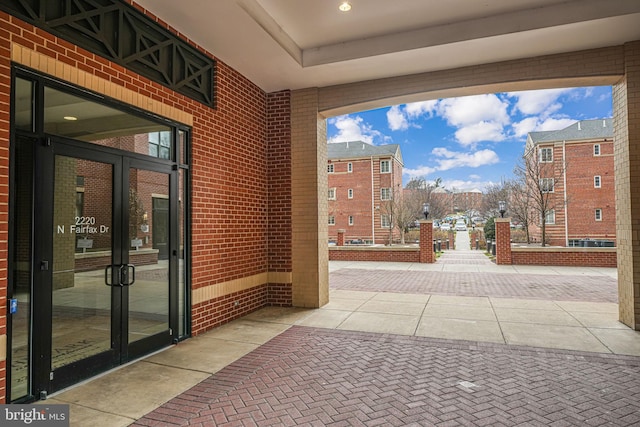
(474, 141)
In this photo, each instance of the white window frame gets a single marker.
(545, 188)
(332, 194)
(385, 221)
(544, 158)
(596, 149)
(350, 193)
(385, 166)
(598, 214)
(597, 181)
(332, 220)
(385, 194)
(350, 219)
(550, 217)
(349, 167)
(330, 168)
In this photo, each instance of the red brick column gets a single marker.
(452, 240)
(340, 241)
(503, 241)
(426, 242)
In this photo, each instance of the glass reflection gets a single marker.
(78, 118)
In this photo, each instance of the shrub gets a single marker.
(490, 229)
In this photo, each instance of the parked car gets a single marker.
(445, 227)
(461, 226)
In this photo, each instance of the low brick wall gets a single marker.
(569, 257)
(98, 260)
(374, 253)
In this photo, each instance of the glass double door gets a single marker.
(103, 292)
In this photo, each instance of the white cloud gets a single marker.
(418, 109)
(462, 185)
(470, 110)
(523, 127)
(397, 119)
(455, 159)
(353, 128)
(418, 172)
(446, 159)
(482, 131)
(477, 118)
(532, 124)
(539, 102)
(555, 124)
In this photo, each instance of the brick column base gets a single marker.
(426, 242)
(340, 241)
(503, 241)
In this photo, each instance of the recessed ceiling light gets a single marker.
(70, 118)
(345, 6)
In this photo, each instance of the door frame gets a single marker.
(38, 376)
(121, 351)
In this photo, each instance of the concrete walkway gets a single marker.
(408, 350)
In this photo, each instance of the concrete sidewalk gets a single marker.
(392, 357)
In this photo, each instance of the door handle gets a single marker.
(126, 278)
(107, 273)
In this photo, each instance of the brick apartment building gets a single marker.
(363, 179)
(576, 167)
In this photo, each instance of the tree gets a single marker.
(490, 229)
(420, 191)
(399, 212)
(493, 194)
(520, 204)
(539, 179)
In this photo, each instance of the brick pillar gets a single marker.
(426, 242)
(503, 241)
(626, 134)
(452, 240)
(340, 237)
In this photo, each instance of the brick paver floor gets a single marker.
(322, 377)
(506, 285)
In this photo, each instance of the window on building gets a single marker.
(550, 217)
(350, 193)
(596, 149)
(350, 220)
(349, 167)
(330, 168)
(546, 155)
(385, 221)
(597, 182)
(385, 166)
(598, 214)
(160, 144)
(332, 220)
(546, 185)
(385, 194)
(332, 194)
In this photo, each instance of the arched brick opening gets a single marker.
(618, 66)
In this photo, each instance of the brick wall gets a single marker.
(570, 257)
(360, 206)
(279, 166)
(239, 200)
(374, 254)
(582, 197)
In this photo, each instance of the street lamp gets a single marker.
(425, 210)
(502, 208)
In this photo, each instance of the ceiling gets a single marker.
(293, 44)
